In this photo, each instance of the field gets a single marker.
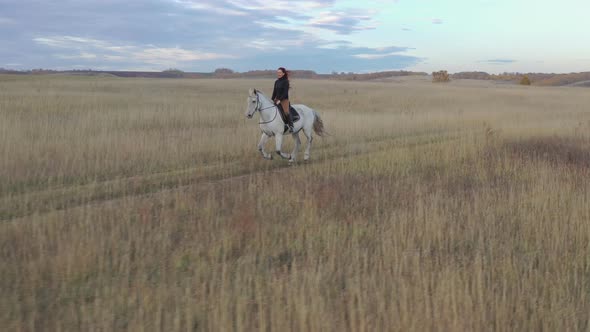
(143, 204)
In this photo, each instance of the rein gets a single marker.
(262, 109)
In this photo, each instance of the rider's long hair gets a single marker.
(285, 71)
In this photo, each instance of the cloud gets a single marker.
(279, 7)
(91, 49)
(436, 21)
(379, 53)
(499, 61)
(291, 15)
(6, 20)
(342, 22)
(71, 42)
(192, 35)
(172, 55)
(211, 8)
(336, 58)
(257, 9)
(373, 56)
(81, 55)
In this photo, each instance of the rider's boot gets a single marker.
(290, 122)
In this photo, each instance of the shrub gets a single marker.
(440, 76)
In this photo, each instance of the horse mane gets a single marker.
(254, 92)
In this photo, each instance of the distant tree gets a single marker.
(173, 72)
(223, 71)
(525, 80)
(474, 75)
(440, 76)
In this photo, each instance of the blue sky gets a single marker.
(320, 35)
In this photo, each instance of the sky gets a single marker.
(325, 36)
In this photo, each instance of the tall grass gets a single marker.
(136, 204)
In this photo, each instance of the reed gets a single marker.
(142, 204)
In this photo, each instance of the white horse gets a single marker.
(271, 124)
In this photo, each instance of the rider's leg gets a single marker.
(285, 105)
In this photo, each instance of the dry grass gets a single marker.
(137, 204)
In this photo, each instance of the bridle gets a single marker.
(262, 109)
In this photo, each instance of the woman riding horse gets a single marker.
(280, 94)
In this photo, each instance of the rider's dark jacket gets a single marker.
(281, 89)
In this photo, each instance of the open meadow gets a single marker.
(144, 205)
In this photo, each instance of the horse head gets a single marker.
(253, 103)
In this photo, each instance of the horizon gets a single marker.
(324, 36)
(272, 71)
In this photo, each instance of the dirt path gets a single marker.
(38, 202)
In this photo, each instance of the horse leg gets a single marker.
(309, 137)
(296, 148)
(279, 144)
(261, 144)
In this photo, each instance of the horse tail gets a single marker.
(318, 125)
